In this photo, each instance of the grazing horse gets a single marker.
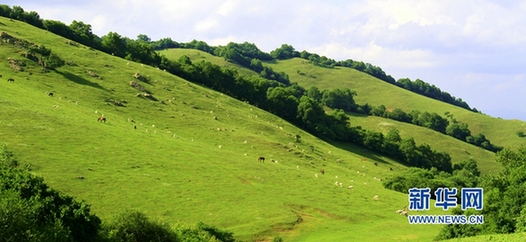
(102, 119)
(375, 164)
(322, 172)
(261, 159)
(10, 80)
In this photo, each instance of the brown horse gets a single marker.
(322, 172)
(10, 80)
(261, 159)
(102, 119)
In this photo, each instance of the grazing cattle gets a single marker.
(261, 159)
(102, 119)
(10, 80)
(375, 164)
(50, 94)
(322, 172)
(390, 168)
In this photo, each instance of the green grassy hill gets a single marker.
(181, 164)
(376, 92)
(328, 78)
(458, 150)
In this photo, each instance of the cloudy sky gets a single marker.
(475, 50)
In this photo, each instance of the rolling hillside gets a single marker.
(363, 83)
(376, 92)
(188, 153)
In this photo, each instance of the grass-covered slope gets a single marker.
(181, 164)
(376, 92)
(459, 151)
(365, 83)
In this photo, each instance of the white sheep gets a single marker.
(341, 184)
(350, 187)
(336, 177)
(219, 146)
(297, 167)
(316, 175)
(336, 183)
(375, 198)
(244, 142)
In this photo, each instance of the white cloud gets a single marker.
(205, 25)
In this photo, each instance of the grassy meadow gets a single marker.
(182, 165)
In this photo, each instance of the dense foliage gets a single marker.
(504, 210)
(432, 121)
(32, 211)
(465, 174)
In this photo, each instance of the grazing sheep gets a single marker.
(297, 167)
(316, 175)
(80, 177)
(219, 146)
(215, 117)
(350, 187)
(352, 180)
(261, 159)
(341, 184)
(244, 142)
(322, 172)
(375, 164)
(50, 94)
(375, 198)
(390, 168)
(336, 183)
(336, 177)
(11, 80)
